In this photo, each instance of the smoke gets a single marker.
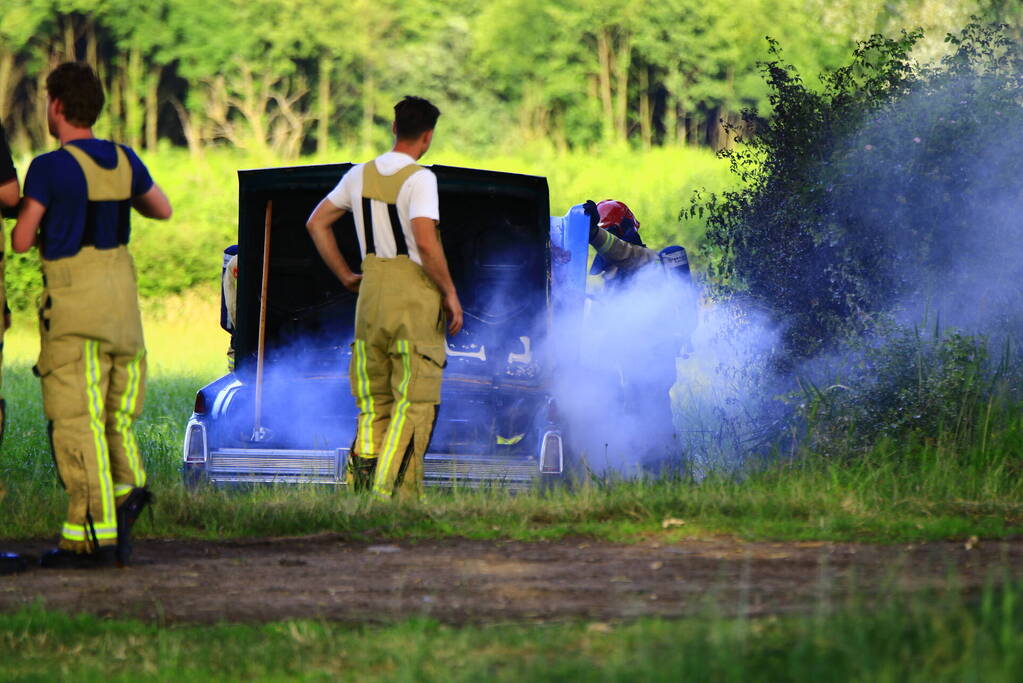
(932, 185)
(939, 187)
(927, 194)
(656, 376)
(663, 379)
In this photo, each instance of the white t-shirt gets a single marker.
(417, 199)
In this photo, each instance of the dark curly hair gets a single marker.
(76, 85)
(413, 116)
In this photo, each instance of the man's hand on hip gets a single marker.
(352, 282)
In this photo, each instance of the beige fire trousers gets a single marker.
(92, 363)
(395, 372)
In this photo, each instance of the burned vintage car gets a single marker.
(287, 415)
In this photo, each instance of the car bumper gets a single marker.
(229, 466)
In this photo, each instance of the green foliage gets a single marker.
(289, 76)
(177, 255)
(907, 385)
(872, 191)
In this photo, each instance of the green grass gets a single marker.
(924, 494)
(915, 490)
(939, 637)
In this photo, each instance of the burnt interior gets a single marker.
(494, 228)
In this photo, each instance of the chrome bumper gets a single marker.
(259, 466)
(310, 466)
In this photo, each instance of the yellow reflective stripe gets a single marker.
(124, 418)
(95, 403)
(509, 441)
(78, 532)
(397, 425)
(366, 407)
(609, 240)
(122, 489)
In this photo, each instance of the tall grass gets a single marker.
(935, 637)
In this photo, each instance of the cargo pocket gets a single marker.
(61, 368)
(429, 361)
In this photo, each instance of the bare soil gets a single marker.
(464, 581)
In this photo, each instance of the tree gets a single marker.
(881, 189)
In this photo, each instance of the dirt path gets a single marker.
(459, 581)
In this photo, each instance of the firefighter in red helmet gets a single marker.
(614, 233)
(634, 273)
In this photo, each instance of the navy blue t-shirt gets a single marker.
(56, 181)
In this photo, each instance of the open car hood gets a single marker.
(495, 231)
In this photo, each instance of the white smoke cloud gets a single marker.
(648, 394)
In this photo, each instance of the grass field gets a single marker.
(919, 489)
(938, 637)
(911, 491)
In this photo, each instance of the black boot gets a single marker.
(66, 559)
(127, 514)
(12, 564)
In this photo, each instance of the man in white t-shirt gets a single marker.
(405, 294)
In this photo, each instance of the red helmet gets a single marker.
(612, 212)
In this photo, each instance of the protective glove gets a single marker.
(590, 209)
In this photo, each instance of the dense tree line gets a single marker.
(288, 76)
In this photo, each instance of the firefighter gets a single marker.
(229, 292)
(405, 293)
(10, 563)
(614, 233)
(644, 387)
(92, 359)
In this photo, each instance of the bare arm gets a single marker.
(436, 268)
(320, 229)
(25, 230)
(9, 194)
(153, 203)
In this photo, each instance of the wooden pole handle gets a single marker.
(261, 349)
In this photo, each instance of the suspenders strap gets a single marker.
(384, 189)
(367, 224)
(399, 234)
(104, 185)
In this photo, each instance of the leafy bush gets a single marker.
(908, 386)
(891, 190)
(889, 196)
(22, 280)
